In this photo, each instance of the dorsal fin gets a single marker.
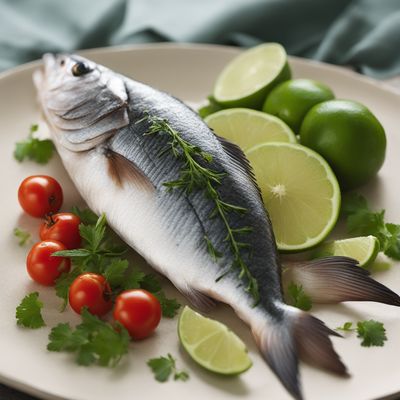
(240, 160)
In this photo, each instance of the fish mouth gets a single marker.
(48, 63)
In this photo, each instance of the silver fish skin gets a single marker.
(99, 123)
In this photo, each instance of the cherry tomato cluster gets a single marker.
(41, 196)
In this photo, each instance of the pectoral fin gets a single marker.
(124, 172)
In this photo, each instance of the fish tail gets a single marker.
(336, 279)
(298, 335)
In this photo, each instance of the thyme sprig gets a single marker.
(196, 176)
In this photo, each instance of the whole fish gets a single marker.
(187, 201)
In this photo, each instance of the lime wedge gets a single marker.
(300, 192)
(248, 78)
(364, 249)
(211, 344)
(247, 128)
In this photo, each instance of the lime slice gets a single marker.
(248, 78)
(300, 192)
(364, 249)
(247, 128)
(211, 344)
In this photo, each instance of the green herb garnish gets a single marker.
(362, 221)
(94, 341)
(164, 367)
(100, 254)
(195, 176)
(34, 149)
(298, 298)
(28, 313)
(371, 333)
(23, 236)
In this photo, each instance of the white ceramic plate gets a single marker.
(188, 72)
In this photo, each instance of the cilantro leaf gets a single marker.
(151, 283)
(87, 216)
(23, 236)
(28, 313)
(164, 367)
(371, 332)
(169, 307)
(34, 149)
(362, 221)
(298, 297)
(93, 341)
(346, 327)
(115, 272)
(63, 283)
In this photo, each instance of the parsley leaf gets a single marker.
(169, 307)
(87, 216)
(28, 313)
(371, 332)
(93, 341)
(99, 254)
(346, 327)
(298, 297)
(34, 149)
(115, 272)
(362, 221)
(164, 367)
(23, 236)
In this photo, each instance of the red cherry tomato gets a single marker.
(92, 291)
(138, 311)
(39, 195)
(63, 227)
(42, 267)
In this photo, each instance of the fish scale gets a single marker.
(117, 168)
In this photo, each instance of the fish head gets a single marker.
(84, 103)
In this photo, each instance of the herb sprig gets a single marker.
(361, 220)
(34, 149)
(371, 333)
(196, 176)
(298, 297)
(100, 254)
(94, 341)
(164, 367)
(23, 236)
(28, 313)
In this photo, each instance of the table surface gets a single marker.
(8, 393)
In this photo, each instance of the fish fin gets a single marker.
(239, 160)
(123, 170)
(277, 346)
(199, 300)
(335, 279)
(314, 345)
(298, 335)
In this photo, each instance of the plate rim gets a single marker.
(187, 46)
(23, 68)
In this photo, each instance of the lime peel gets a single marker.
(211, 344)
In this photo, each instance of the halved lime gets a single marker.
(364, 249)
(248, 78)
(211, 344)
(247, 128)
(300, 192)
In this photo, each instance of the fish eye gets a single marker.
(80, 68)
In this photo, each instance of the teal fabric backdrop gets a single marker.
(362, 33)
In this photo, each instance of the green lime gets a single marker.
(291, 100)
(300, 192)
(247, 128)
(248, 78)
(211, 344)
(349, 137)
(364, 249)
